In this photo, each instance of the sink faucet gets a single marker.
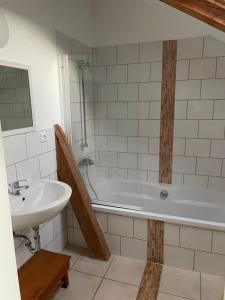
(15, 188)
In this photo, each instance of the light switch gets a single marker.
(43, 136)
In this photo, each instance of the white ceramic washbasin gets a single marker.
(42, 201)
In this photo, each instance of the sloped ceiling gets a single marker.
(211, 12)
(130, 21)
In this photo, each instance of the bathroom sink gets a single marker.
(42, 201)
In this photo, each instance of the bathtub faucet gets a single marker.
(86, 162)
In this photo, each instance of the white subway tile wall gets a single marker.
(131, 92)
(128, 119)
(201, 122)
(199, 150)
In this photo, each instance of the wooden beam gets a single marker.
(211, 12)
(149, 287)
(68, 172)
(155, 241)
(156, 228)
(167, 111)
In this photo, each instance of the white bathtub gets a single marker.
(189, 206)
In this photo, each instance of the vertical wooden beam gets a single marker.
(151, 278)
(150, 282)
(156, 228)
(155, 241)
(167, 111)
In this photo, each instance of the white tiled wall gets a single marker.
(128, 106)
(200, 126)
(194, 248)
(27, 157)
(127, 109)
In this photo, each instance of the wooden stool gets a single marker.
(40, 276)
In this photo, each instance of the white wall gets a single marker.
(32, 41)
(131, 21)
(8, 274)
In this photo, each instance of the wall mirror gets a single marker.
(16, 111)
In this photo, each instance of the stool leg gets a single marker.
(65, 281)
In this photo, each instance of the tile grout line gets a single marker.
(103, 278)
(182, 297)
(201, 286)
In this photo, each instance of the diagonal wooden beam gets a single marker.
(211, 12)
(68, 172)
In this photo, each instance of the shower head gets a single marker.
(83, 65)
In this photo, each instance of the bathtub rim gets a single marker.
(156, 185)
(211, 225)
(160, 217)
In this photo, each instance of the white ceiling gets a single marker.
(110, 22)
(129, 21)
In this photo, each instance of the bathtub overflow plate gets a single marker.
(164, 194)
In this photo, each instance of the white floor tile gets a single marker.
(74, 252)
(212, 287)
(91, 266)
(180, 282)
(82, 286)
(162, 296)
(111, 290)
(126, 270)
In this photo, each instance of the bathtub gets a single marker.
(188, 206)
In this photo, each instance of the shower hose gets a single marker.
(90, 184)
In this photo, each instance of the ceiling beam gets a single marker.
(211, 12)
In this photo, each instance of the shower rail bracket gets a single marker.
(84, 145)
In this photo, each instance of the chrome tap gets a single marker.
(86, 162)
(15, 187)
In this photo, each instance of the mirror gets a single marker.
(15, 98)
(4, 30)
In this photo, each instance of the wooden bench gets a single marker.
(40, 276)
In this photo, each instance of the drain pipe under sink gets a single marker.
(37, 240)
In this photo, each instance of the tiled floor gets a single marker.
(120, 277)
